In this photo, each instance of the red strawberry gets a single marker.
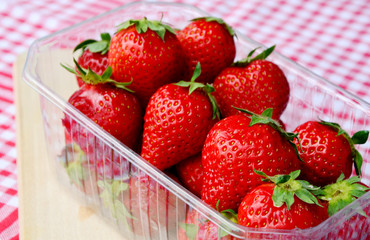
(111, 196)
(340, 194)
(86, 170)
(109, 105)
(198, 227)
(94, 55)
(236, 145)
(254, 84)
(99, 163)
(177, 120)
(74, 160)
(328, 151)
(141, 204)
(209, 41)
(147, 53)
(190, 172)
(284, 204)
(107, 164)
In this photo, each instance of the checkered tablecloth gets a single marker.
(332, 38)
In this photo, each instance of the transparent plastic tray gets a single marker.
(147, 204)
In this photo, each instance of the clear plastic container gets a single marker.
(140, 200)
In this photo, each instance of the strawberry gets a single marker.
(198, 227)
(109, 104)
(340, 194)
(254, 84)
(141, 204)
(74, 160)
(146, 53)
(177, 120)
(190, 173)
(106, 164)
(86, 170)
(208, 40)
(286, 203)
(94, 55)
(237, 144)
(96, 162)
(327, 151)
(111, 194)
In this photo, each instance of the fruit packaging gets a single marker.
(146, 203)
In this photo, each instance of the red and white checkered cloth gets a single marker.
(332, 38)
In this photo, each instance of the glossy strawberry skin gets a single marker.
(190, 173)
(257, 210)
(115, 110)
(175, 125)
(97, 62)
(210, 44)
(230, 152)
(146, 60)
(325, 155)
(256, 87)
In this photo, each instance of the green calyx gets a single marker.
(263, 55)
(229, 214)
(266, 118)
(357, 138)
(341, 193)
(95, 46)
(286, 187)
(193, 229)
(190, 229)
(207, 88)
(90, 77)
(144, 24)
(218, 20)
(74, 169)
(110, 196)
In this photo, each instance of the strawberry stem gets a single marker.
(246, 61)
(95, 46)
(341, 193)
(286, 187)
(74, 168)
(207, 88)
(266, 118)
(229, 214)
(110, 196)
(90, 77)
(144, 24)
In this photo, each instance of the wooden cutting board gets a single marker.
(46, 209)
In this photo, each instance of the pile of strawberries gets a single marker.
(178, 99)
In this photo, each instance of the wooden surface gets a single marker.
(46, 209)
